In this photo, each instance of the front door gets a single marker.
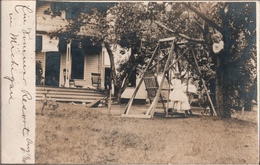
(52, 73)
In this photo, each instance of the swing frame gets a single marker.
(168, 66)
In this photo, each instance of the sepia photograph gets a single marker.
(140, 82)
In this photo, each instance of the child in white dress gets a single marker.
(179, 99)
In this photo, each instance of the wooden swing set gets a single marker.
(168, 55)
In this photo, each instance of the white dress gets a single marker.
(177, 93)
(178, 96)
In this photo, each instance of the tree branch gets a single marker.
(205, 18)
(199, 25)
(179, 34)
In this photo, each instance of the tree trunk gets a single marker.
(118, 94)
(222, 89)
(117, 85)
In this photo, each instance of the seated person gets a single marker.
(236, 102)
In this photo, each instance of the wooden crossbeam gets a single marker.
(164, 57)
(178, 59)
(128, 106)
(152, 85)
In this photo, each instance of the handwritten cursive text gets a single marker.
(26, 96)
(25, 32)
(26, 151)
(11, 78)
(25, 10)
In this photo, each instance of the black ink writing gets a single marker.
(24, 51)
(25, 97)
(11, 78)
(26, 151)
(11, 19)
(25, 10)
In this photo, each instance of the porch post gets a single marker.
(102, 71)
(68, 55)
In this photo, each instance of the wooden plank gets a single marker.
(66, 100)
(69, 95)
(80, 90)
(151, 88)
(136, 116)
(166, 55)
(155, 101)
(204, 85)
(178, 59)
(72, 95)
(94, 103)
(167, 39)
(70, 91)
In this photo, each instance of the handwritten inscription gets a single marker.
(20, 37)
(25, 33)
(25, 97)
(27, 150)
(25, 10)
(11, 19)
(11, 78)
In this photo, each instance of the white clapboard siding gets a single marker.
(40, 57)
(46, 23)
(42, 8)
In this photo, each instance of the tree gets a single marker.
(138, 26)
(129, 25)
(101, 17)
(235, 25)
(231, 27)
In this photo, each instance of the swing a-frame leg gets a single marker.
(150, 112)
(128, 106)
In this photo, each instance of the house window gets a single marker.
(77, 70)
(38, 43)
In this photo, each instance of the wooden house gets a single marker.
(62, 61)
(77, 64)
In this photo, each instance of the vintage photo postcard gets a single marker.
(129, 82)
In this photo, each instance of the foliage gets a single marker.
(134, 26)
(236, 24)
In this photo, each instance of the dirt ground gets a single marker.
(75, 134)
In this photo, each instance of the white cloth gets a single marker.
(179, 100)
(217, 47)
(177, 93)
(191, 88)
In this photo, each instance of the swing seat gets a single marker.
(151, 87)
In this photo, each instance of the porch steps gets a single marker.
(69, 94)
